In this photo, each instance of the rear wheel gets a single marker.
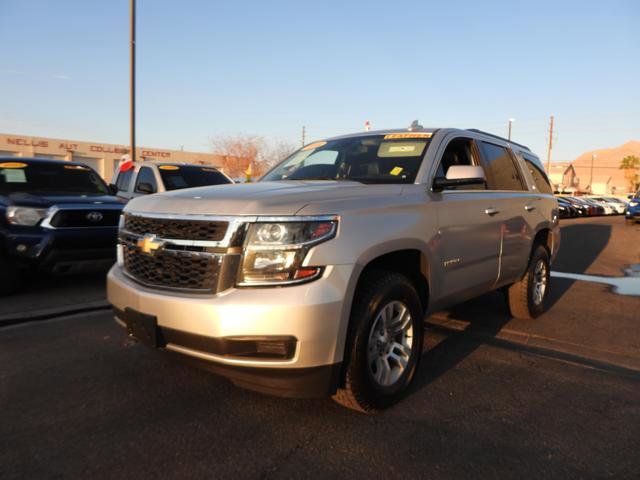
(385, 342)
(527, 298)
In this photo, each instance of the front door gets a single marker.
(469, 228)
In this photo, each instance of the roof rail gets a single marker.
(498, 137)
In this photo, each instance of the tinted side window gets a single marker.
(539, 177)
(145, 175)
(501, 171)
(124, 179)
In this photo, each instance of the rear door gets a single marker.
(514, 206)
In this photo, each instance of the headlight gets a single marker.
(274, 252)
(25, 215)
(633, 204)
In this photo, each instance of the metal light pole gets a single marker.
(132, 78)
(511, 120)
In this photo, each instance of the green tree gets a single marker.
(631, 164)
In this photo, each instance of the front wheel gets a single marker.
(385, 342)
(527, 298)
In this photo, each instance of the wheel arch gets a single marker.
(410, 260)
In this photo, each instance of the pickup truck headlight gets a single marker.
(25, 216)
(274, 251)
(633, 204)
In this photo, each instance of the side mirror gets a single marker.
(113, 189)
(145, 187)
(629, 197)
(460, 176)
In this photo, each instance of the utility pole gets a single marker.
(304, 134)
(132, 78)
(550, 145)
(511, 120)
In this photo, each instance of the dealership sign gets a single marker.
(72, 147)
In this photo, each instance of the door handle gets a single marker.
(491, 211)
(529, 208)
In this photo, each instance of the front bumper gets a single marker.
(63, 249)
(632, 215)
(200, 327)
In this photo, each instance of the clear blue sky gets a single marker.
(208, 68)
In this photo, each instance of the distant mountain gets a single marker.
(609, 157)
(606, 167)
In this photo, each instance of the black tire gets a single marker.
(521, 296)
(361, 391)
(11, 276)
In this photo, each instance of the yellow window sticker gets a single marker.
(169, 167)
(393, 136)
(12, 165)
(396, 171)
(313, 146)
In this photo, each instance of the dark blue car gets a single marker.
(632, 213)
(54, 216)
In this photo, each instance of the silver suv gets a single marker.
(316, 280)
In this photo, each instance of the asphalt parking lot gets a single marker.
(494, 397)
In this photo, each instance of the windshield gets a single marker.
(176, 177)
(391, 158)
(49, 179)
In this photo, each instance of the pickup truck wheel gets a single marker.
(386, 332)
(11, 276)
(527, 297)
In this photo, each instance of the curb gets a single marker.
(544, 346)
(50, 313)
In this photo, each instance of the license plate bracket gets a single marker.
(143, 327)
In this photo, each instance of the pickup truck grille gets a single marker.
(173, 269)
(85, 218)
(177, 229)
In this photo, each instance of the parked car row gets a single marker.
(571, 207)
(59, 216)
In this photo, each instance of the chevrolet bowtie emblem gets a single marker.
(149, 244)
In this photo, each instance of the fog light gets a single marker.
(276, 349)
(21, 248)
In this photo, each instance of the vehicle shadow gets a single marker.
(485, 316)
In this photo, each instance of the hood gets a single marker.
(263, 198)
(45, 201)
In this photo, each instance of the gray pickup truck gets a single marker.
(316, 280)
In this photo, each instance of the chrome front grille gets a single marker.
(175, 269)
(179, 229)
(183, 254)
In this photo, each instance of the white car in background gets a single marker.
(611, 206)
(144, 178)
